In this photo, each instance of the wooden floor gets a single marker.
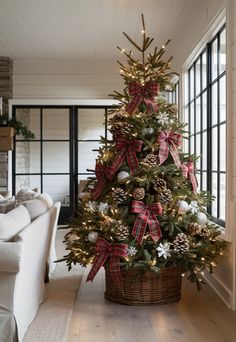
(198, 317)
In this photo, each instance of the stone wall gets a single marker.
(6, 92)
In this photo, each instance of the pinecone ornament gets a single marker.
(139, 194)
(121, 128)
(159, 184)
(194, 228)
(119, 195)
(151, 159)
(205, 232)
(164, 196)
(181, 243)
(121, 232)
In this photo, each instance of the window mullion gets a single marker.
(209, 119)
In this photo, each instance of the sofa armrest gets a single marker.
(10, 256)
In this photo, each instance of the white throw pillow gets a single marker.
(25, 194)
(35, 207)
(2, 198)
(46, 198)
(13, 222)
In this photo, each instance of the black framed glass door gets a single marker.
(65, 148)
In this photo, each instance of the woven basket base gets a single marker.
(147, 288)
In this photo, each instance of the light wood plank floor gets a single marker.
(198, 317)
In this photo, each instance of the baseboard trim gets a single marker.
(221, 289)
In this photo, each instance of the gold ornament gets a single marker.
(139, 194)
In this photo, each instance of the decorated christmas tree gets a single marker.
(142, 213)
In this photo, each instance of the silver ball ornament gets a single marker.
(122, 176)
(201, 218)
(92, 237)
(183, 207)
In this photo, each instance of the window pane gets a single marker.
(57, 186)
(198, 151)
(56, 157)
(192, 115)
(214, 105)
(214, 193)
(91, 123)
(222, 98)
(204, 70)
(191, 83)
(28, 181)
(87, 157)
(204, 111)
(192, 150)
(198, 115)
(223, 147)
(56, 123)
(223, 51)
(29, 117)
(198, 73)
(222, 195)
(204, 181)
(204, 151)
(214, 151)
(214, 60)
(27, 157)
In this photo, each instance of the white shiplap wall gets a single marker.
(65, 80)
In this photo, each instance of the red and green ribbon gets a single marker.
(114, 251)
(103, 173)
(127, 149)
(169, 142)
(146, 216)
(143, 93)
(188, 172)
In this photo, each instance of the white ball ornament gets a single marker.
(122, 176)
(92, 237)
(148, 131)
(201, 218)
(183, 207)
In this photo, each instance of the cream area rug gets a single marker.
(53, 317)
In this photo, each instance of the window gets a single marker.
(173, 96)
(207, 121)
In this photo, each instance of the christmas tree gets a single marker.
(142, 210)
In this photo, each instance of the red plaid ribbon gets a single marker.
(127, 148)
(188, 172)
(146, 215)
(114, 251)
(102, 173)
(143, 93)
(169, 141)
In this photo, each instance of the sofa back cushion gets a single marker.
(38, 205)
(13, 222)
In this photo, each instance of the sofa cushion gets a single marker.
(7, 205)
(25, 194)
(37, 206)
(13, 222)
(2, 198)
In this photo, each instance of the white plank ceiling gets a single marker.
(84, 30)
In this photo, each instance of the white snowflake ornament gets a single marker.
(131, 251)
(163, 119)
(91, 206)
(164, 250)
(103, 207)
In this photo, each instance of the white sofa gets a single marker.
(24, 259)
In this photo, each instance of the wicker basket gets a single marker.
(146, 288)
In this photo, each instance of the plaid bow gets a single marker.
(169, 141)
(146, 215)
(114, 251)
(102, 173)
(127, 148)
(188, 172)
(143, 93)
